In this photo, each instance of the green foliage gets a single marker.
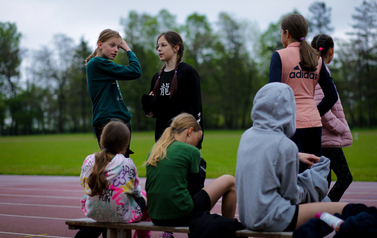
(10, 61)
(79, 104)
(365, 62)
(141, 34)
(270, 41)
(320, 19)
(64, 154)
(52, 66)
(232, 58)
(10, 58)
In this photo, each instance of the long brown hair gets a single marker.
(297, 27)
(323, 43)
(174, 39)
(180, 123)
(115, 136)
(103, 36)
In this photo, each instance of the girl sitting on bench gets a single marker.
(112, 190)
(172, 159)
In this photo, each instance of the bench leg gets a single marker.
(112, 233)
(127, 233)
(119, 233)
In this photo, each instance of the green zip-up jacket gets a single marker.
(103, 87)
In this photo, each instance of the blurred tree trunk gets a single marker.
(79, 104)
(320, 19)
(53, 67)
(10, 61)
(364, 45)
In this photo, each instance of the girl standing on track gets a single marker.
(102, 76)
(299, 66)
(111, 183)
(173, 158)
(176, 86)
(335, 131)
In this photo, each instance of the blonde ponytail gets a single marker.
(90, 56)
(159, 149)
(179, 123)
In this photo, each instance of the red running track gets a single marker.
(37, 206)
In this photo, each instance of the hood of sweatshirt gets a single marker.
(274, 109)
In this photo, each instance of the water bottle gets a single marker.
(331, 220)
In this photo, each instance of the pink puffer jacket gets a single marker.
(335, 129)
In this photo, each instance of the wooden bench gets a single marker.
(124, 230)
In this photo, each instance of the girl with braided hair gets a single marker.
(176, 86)
(335, 130)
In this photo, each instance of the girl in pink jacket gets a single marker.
(335, 131)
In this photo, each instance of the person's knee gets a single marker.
(230, 181)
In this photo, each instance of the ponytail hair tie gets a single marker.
(302, 38)
(175, 71)
(104, 149)
(320, 48)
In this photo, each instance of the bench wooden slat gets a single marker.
(74, 224)
(124, 229)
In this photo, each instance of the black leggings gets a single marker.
(338, 164)
(308, 140)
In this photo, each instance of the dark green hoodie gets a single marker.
(103, 88)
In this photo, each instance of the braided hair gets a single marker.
(323, 43)
(174, 39)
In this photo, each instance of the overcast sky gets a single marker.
(39, 20)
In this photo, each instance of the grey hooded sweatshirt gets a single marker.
(267, 180)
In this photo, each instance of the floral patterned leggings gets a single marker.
(339, 165)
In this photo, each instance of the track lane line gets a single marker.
(39, 196)
(31, 235)
(38, 205)
(21, 216)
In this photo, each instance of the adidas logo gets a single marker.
(298, 73)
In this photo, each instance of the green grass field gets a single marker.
(64, 154)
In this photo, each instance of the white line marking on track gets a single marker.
(38, 205)
(55, 218)
(31, 235)
(360, 200)
(361, 192)
(47, 189)
(39, 196)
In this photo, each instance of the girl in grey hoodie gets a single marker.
(271, 194)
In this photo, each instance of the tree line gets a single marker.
(232, 58)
